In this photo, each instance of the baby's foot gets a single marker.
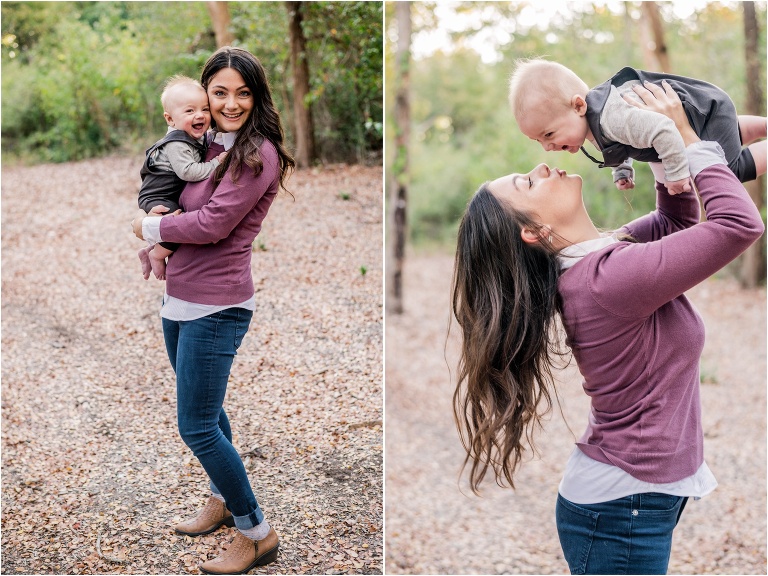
(158, 266)
(146, 265)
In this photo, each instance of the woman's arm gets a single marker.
(227, 207)
(636, 279)
(672, 214)
(650, 274)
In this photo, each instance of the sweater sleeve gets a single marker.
(186, 163)
(228, 205)
(622, 122)
(635, 279)
(672, 214)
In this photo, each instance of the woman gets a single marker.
(528, 251)
(209, 297)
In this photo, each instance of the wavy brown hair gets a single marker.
(263, 122)
(504, 298)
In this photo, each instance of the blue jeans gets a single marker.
(201, 353)
(630, 535)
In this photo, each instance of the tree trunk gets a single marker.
(220, 18)
(752, 266)
(655, 54)
(302, 111)
(399, 178)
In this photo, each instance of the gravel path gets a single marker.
(94, 474)
(434, 528)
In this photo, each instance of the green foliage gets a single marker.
(82, 79)
(463, 132)
(344, 45)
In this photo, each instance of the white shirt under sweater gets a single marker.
(587, 481)
(174, 308)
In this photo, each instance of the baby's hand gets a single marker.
(162, 211)
(678, 186)
(221, 157)
(625, 183)
(157, 210)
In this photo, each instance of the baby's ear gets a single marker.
(579, 104)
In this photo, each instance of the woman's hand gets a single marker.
(664, 100)
(136, 223)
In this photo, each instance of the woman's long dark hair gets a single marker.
(505, 300)
(262, 123)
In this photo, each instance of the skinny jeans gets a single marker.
(630, 535)
(201, 352)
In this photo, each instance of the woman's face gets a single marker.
(550, 195)
(230, 99)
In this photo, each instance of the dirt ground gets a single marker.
(434, 525)
(94, 474)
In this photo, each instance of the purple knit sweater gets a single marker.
(637, 339)
(216, 233)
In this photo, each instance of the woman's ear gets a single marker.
(531, 236)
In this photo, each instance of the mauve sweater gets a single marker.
(216, 232)
(635, 336)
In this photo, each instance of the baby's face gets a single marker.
(187, 109)
(563, 129)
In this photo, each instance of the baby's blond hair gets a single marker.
(537, 81)
(172, 82)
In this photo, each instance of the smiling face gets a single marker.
(552, 197)
(186, 108)
(231, 100)
(557, 128)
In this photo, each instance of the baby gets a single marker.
(553, 106)
(175, 160)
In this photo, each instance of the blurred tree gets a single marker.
(399, 180)
(752, 268)
(655, 52)
(220, 18)
(302, 109)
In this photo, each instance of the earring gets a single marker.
(550, 238)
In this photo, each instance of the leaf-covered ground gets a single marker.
(94, 474)
(436, 526)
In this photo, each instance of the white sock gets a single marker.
(257, 532)
(218, 497)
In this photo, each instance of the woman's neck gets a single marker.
(580, 229)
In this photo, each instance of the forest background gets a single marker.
(462, 130)
(83, 79)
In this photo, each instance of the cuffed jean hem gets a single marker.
(242, 522)
(250, 521)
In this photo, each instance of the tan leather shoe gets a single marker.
(244, 554)
(210, 518)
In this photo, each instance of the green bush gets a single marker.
(83, 79)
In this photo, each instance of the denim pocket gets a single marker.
(658, 504)
(576, 530)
